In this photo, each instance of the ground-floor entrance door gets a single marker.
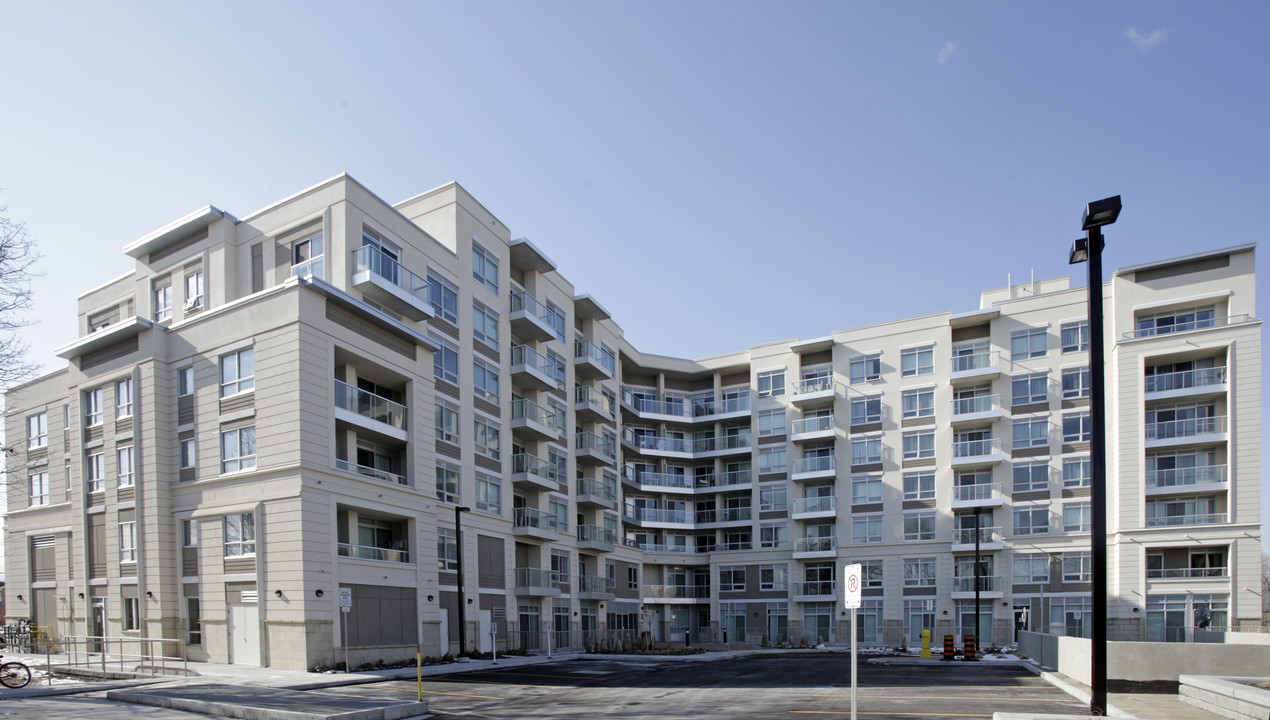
(244, 634)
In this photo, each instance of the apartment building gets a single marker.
(287, 436)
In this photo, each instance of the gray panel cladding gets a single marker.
(346, 319)
(106, 354)
(490, 563)
(176, 247)
(971, 333)
(237, 566)
(1168, 271)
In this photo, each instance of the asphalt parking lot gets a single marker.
(750, 687)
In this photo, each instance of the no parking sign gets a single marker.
(851, 584)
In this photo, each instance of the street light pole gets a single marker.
(458, 538)
(978, 534)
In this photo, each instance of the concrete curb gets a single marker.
(1062, 683)
(55, 690)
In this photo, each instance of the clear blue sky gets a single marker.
(716, 174)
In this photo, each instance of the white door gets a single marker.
(487, 617)
(244, 634)
(445, 632)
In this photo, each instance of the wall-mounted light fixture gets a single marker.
(429, 598)
(149, 594)
(81, 596)
(19, 598)
(319, 592)
(277, 593)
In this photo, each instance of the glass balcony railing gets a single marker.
(1179, 477)
(1189, 427)
(605, 445)
(537, 578)
(722, 442)
(369, 257)
(818, 463)
(523, 409)
(366, 552)
(1186, 379)
(657, 443)
(1187, 573)
(976, 404)
(681, 592)
(702, 407)
(370, 472)
(523, 301)
(596, 584)
(811, 385)
(814, 504)
(815, 544)
(531, 464)
(533, 518)
(591, 486)
(587, 395)
(977, 448)
(370, 405)
(727, 478)
(531, 358)
(661, 515)
(1179, 520)
(659, 548)
(982, 491)
(987, 583)
(735, 545)
(976, 361)
(815, 587)
(1196, 324)
(671, 480)
(815, 424)
(596, 533)
(597, 354)
(966, 536)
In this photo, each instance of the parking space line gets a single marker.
(889, 714)
(437, 692)
(949, 697)
(522, 674)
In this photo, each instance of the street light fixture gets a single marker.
(1089, 250)
(458, 539)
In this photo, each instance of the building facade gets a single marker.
(338, 401)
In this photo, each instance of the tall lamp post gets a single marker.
(458, 538)
(1089, 250)
(978, 537)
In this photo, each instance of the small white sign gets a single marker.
(851, 585)
(493, 628)
(1078, 614)
(346, 597)
(547, 626)
(346, 608)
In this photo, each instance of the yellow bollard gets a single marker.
(419, 673)
(926, 644)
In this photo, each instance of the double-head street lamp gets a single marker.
(1089, 250)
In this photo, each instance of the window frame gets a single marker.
(485, 324)
(920, 480)
(771, 427)
(232, 379)
(128, 542)
(872, 405)
(1032, 397)
(489, 494)
(1032, 337)
(443, 295)
(245, 543)
(45, 496)
(1032, 439)
(916, 355)
(1084, 428)
(919, 533)
(1080, 328)
(864, 368)
(485, 267)
(37, 423)
(487, 436)
(918, 444)
(243, 460)
(774, 380)
(125, 469)
(1030, 513)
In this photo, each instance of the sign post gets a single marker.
(346, 606)
(851, 585)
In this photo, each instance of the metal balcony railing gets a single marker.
(815, 587)
(370, 472)
(982, 491)
(819, 463)
(1178, 477)
(987, 583)
(596, 533)
(977, 361)
(684, 592)
(533, 518)
(367, 552)
(1178, 520)
(1189, 427)
(976, 404)
(966, 536)
(591, 486)
(815, 504)
(977, 448)
(815, 424)
(537, 578)
(370, 405)
(369, 257)
(815, 544)
(588, 349)
(1187, 573)
(811, 385)
(596, 584)
(1185, 379)
(657, 515)
(1197, 324)
(672, 480)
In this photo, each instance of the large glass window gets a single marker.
(1176, 321)
(1077, 566)
(240, 534)
(865, 367)
(447, 482)
(919, 444)
(485, 325)
(489, 494)
(917, 361)
(37, 430)
(1031, 432)
(485, 380)
(1031, 476)
(123, 398)
(447, 550)
(1031, 568)
(866, 450)
(866, 529)
(1031, 519)
(771, 422)
(771, 383)
(1075, 383)
(866, 409)
(123, 466)
(39, 489)
(918, 402)
(447, 421)
(95, 472)
(1076, 472)
(1029, 389)
(1030, 343)
(919, 526)
(445, 361)
(485, 267)
(1077, 427)
(93, 407)
(486, 438)
(919, 572)
(919, 486)
(237, 372)
(1075, 336)
(307, 256)
(866, 489)
(443, 295)
(238, 449)
(127, 542)
(1077, 517)
(771, 460)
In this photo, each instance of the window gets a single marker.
(237, 372)
(445, 361)
(485, 380)
(447, 550)
(1031, 520)
(240, 534)
(1176, 321)
(919, 572)
(447, 482)
(444, 298)
(919, 526)
(185, 382)
(123, 466)
(771, 422)
(123, 398)
(1031, 432)
(131, 613)
(772, 498)
(193, 628)
(866, 450)
(771, 383)
(918, 402)
(1077, 517)
(95, 472)
(919, 486)
(866, 529)
(632, 577)
(559, 511)
(194, 290)
(238, 449)
(484, 267)
(1076, 472)
(127, 542)
(1077, 427)
(188, 454)
(919, 444)
(555, 318)
(306, 256)
(866, 409)
(189, 533)
(1075, 383)
(1026, 344)
(163, 301)
(37, 430)
(1031, 477)
(1074, 336)
(773, 536)
(773, 577)
(39, 484)
(1077, 566)
(866, 489)
(485, 325)
(555, 367)
(486, 436)
(93, 407)
(865, 367)
(1029, 389)
(1032, 568)
(871, 573)
(447, 421)
(731, 578)
(489, 494)
(917, 361)
(771, 460)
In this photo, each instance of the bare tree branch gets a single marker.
(18, 257)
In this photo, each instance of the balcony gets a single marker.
(367, 552)
(592, 361)
(594, 493)
(532, 421)
(592, 449)
(596, 538)
(980, 495)
(646, 408)
(977, 366)
(387, 282)
(594, 587)
(371, 472)
(814, 590)
(1187, 383)
(1198, 324)
(815, 547)
(814, 390)
(977, 408)
(657, 517)
(728, 480)
(727, 408)
(659, 482)
(658, 548)
(368, 410)
(533, 473)
(723, 516)
(1187, 573)
(734, 546)
(990, 586)
(657, 445)
(536, 582)
(532, 320)
(812, 468)
(675, 592)
(1190, 479)
(1184, 520)
(1186, 432)
(531, 369)
(810, 508)
(536, 524)
(591, 405)
(722, 445)
(976, 452)
(964, 539)
(816, 428)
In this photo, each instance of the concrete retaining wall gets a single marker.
(1232, 638)
(1142, 662)
(1226, 696)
